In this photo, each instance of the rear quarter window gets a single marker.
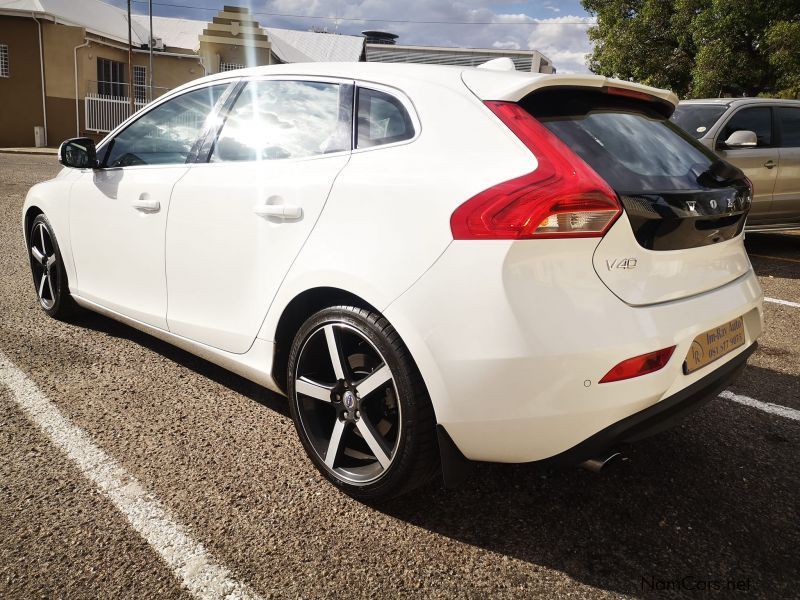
(382, 119)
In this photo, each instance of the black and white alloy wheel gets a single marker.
(47, 269)
(359, 405)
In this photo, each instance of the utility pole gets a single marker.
(130, 61)
(150, 45)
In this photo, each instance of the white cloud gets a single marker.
(562, 39)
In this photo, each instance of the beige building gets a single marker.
(64, 63)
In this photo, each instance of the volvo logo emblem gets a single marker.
(349, 400)
(731, 203)
(691, 204)
(713, 204)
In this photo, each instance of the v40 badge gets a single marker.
(620, 263)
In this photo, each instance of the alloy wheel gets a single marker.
(44, 264)
(347, 403)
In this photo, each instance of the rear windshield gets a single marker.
(633, 147)
(697, 119)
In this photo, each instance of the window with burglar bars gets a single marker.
(223, 66)
(5, 71)
(111, 78)
(140, 83)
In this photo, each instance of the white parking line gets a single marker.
(767, 407)
(784, 302)
(189, 561)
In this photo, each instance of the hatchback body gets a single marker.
(769, 157)
(435, 264)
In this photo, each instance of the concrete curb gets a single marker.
(34, 151)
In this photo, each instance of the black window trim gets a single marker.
(719, 144)
(104, 147)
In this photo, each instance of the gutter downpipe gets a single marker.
(41, 71)
(85, 44)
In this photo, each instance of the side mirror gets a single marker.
(742, 139)
(78, 153)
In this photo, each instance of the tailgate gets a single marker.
(684, 207)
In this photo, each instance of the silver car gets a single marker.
(761, 136)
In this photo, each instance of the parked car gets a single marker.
(761, 136)
(435, 265)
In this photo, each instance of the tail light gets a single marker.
(563, 198)
(639, 365)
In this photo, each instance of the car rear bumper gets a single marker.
(658, 417)
(513, 339)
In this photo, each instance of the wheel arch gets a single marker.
(31, 213)
(296, 312)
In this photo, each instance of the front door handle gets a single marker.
(280, 211)
(770, 164)
(144, 203)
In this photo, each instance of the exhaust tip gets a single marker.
(598, 463)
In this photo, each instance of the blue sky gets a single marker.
(558, 29)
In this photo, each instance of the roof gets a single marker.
(95, 16)
(485, 84)
(735, 101)
(100, 18)
(318, 47)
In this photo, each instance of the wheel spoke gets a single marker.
(41, 235)
(335, 351)
(41, 285)
(51, 260)
(374, 380)
(374, 441)
(313, 389)
(50, 287)
(335, 443)
(37, 256)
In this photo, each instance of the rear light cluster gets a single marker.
(639, 365)
(563, 198)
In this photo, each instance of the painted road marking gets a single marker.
(767, 407)
(776, 258)
(189, 560)
(783, 302)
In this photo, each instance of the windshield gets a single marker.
(697, 119)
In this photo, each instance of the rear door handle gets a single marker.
(144, 203)
(770, 164)
(280, 211)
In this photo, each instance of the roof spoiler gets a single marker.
(498, 64)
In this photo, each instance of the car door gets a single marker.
(786, 200)
(118, 213)
(759, 163)
(237, 221)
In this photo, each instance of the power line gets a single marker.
(359, 20)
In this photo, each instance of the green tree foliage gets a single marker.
(699, 48)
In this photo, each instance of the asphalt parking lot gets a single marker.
(712, 501)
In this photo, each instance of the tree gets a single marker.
(699, 48)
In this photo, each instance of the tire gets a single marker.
(47, 269)
(374, 405)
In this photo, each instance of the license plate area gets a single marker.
(714, 344)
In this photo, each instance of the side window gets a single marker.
(166, 134)
(272, 120)
(382, 119)
(757, 119)
(789, 123)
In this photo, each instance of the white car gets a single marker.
(436, 265)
